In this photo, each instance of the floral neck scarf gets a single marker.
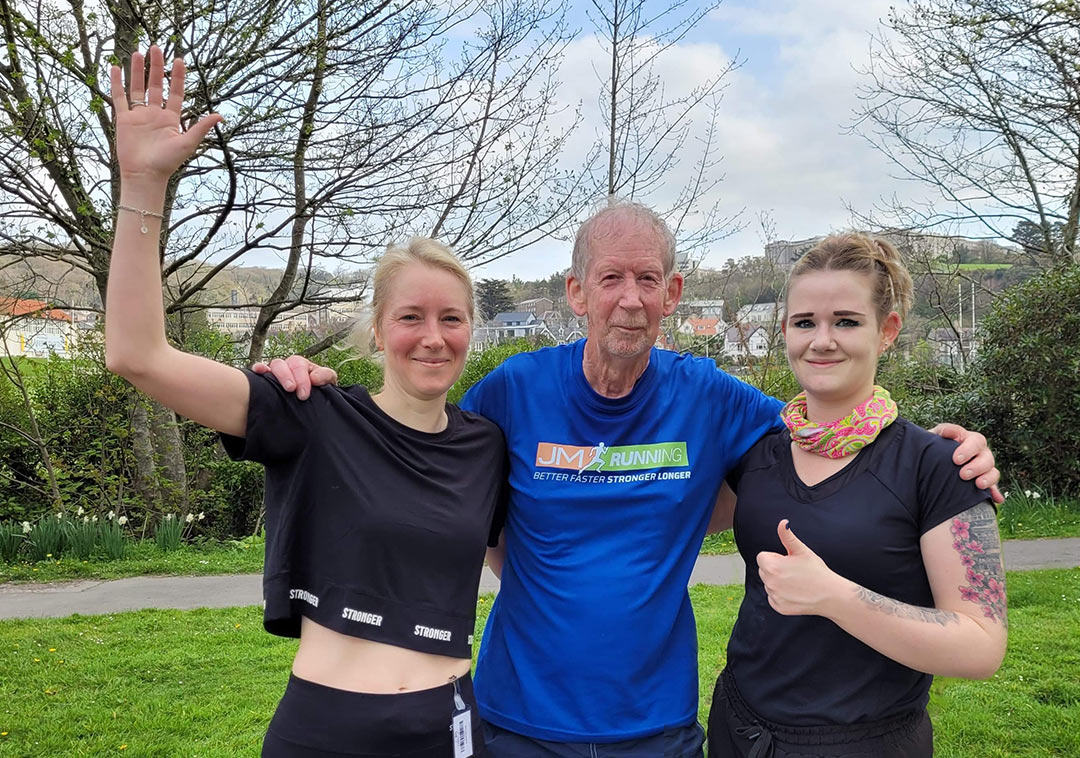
(845, 436)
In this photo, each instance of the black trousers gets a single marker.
(737, 732)
(315, 721)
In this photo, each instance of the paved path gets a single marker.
(98, 596)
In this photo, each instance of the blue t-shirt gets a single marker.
(592, 636)
(865, 522)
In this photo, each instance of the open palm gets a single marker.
(150, 142)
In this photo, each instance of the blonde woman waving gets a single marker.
(375, 531)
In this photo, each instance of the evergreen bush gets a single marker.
(1029, 370)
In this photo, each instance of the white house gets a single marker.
(758, 313)
(705, 308)
(746, 340)
(32, 328)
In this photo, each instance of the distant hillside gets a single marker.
(72, 287)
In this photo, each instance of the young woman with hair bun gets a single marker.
(375, 531)
(871, 566)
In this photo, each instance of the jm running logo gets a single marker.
(601, 458)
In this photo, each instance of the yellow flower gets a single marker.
(52, 650)
(123, 747)
(236, 627)
(3, 734)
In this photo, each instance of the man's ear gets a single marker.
(673, 294)
(575, 295)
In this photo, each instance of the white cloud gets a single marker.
(783, 122)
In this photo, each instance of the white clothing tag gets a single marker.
(462, 729)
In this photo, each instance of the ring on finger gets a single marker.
(134, 104)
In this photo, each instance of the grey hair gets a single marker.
(602, 220)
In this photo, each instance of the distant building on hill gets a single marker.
(537, 306)
(784, 253)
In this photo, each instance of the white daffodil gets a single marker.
(190, 517)
(111, 516)
(94, 519)
(26, 527)
(122, 520)
(1027, 493)
(86, 519)
(1035, 495)
(59, 516)
(80, 511)
(168, 517)
(202, 516)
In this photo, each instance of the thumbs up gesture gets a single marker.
(798, 583)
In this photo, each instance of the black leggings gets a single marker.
(737, 732)
(315, 721)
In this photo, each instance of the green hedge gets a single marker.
(84, 414)
(1028, 387)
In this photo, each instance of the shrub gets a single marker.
(483, 362)
(20, 460)
(83, 411)
(1029, 370)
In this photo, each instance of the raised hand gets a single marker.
(798, 583)
(151, 143)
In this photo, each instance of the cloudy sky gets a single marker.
(784, 120)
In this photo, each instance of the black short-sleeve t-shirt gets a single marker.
(865, 522)
(373, 529)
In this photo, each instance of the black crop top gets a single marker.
(373, 529)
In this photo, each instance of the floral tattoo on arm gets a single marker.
(975, 538)
(905, 610)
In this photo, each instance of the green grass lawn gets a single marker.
(144, 557)
(984, 266)
(1020, 517)
(1024, 517)
(204, 683)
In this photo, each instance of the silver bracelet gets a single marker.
(142, 215)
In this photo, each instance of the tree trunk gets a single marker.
(146, 483)
(272, 308)
(165, 432)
